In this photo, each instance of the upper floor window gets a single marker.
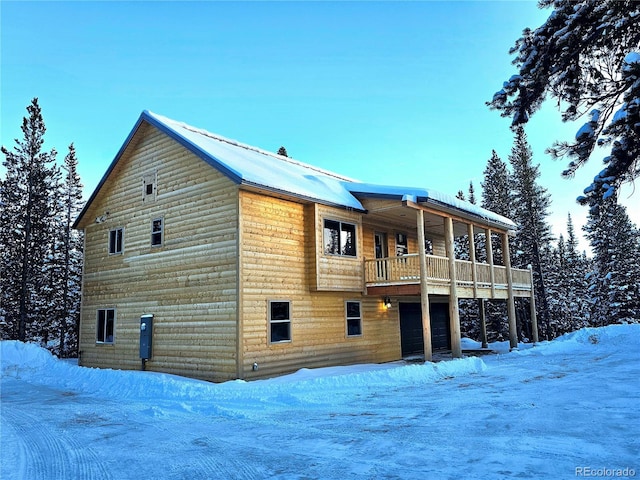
(105, 328)
(339, 238)
(279, 321)
(157, 232)
(354, 319)
(116, 240)
(149, 186)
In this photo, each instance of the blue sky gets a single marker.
(384, 92)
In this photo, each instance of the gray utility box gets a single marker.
(146, 336)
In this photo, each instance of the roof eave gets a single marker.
(109, 170)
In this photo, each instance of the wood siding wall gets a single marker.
(334, 272)
(189, 283)
(276, 265)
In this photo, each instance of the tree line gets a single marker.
(41, 254)
(586, 56)
(572, 290)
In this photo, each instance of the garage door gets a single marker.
(412, 342)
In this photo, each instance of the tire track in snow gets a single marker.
(49, 455)
(214, 461)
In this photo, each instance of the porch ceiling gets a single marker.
(394, 213)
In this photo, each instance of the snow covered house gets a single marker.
(216, 260)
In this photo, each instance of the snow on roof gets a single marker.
(424, 195)
(253, 166)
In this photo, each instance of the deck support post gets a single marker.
(511, 306)
(424, 290)
(489, 247)
(472, 258)
(532, 306)
(483, 323)
(454, 309)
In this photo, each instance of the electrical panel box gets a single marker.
(146, 336)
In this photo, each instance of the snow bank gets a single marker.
(612, 337)
(307, 386)
(36, 365)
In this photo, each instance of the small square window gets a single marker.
(279, 321)
(105, 329)
(149, 189)
(157, 230)
(354, 319)
(116, 241)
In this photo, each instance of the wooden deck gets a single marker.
(391, 274)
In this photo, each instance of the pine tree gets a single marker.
(496, 196)
(586, 56)
(567, 286)
(472, 194)
(70, 254)
(613, 282)
(532, 243)
(74, 245)
(283, 152)
(25, 234)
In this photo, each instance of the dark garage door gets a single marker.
(411, 339)
(440, 337)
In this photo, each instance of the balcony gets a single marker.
(400, 275)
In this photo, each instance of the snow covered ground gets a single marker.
(563, 409)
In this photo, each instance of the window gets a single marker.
(339, 238)
(279, 322)
(149, 186)
(116, 238)
(157, 229)
(106, 325)
(354, 319)
(401, 244)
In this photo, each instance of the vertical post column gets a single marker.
(424, 291)
(492, 274)
(532, 306)
(454, 310)
(483, 323)
(472, 257)
(511, 306)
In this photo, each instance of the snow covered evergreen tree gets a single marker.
(496, 196)
(587, 56)
(567, 286)
(613, 282)
(25, 234)
(282, 151)
(472, 194)
(531, 202)
(69, 252)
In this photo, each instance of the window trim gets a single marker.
(109, 244)
(340, 246)
(154, 233)
(347, 318)
(105, 340)
(280, 321)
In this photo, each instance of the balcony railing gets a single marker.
(405, 270)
